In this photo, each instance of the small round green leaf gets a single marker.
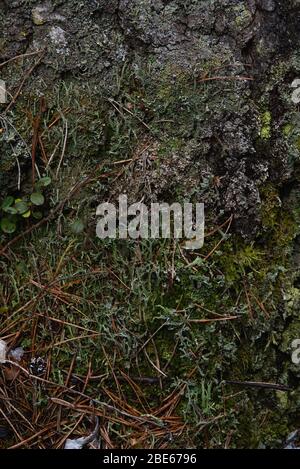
(8, 226)
(7, 202)
(37, 198)
(21, 207)
(11, 210)
(44, 182)
(26, 214)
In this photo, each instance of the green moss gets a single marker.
(238, 258)
(287, 130)
(280, 226)
(265, 129)
(243, 16)
(292, 332)
(270, 207)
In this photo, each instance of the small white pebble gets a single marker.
(17, 353)
(58, 38)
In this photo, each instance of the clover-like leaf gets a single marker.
(21, 207)
(44, 182)
(8, 226)
(7, 202)
(11, 210)
(37, 198)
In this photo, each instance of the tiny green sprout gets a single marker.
(15, 209)
(21, 206)
(7, 203)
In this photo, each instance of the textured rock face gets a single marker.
(187, 32)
